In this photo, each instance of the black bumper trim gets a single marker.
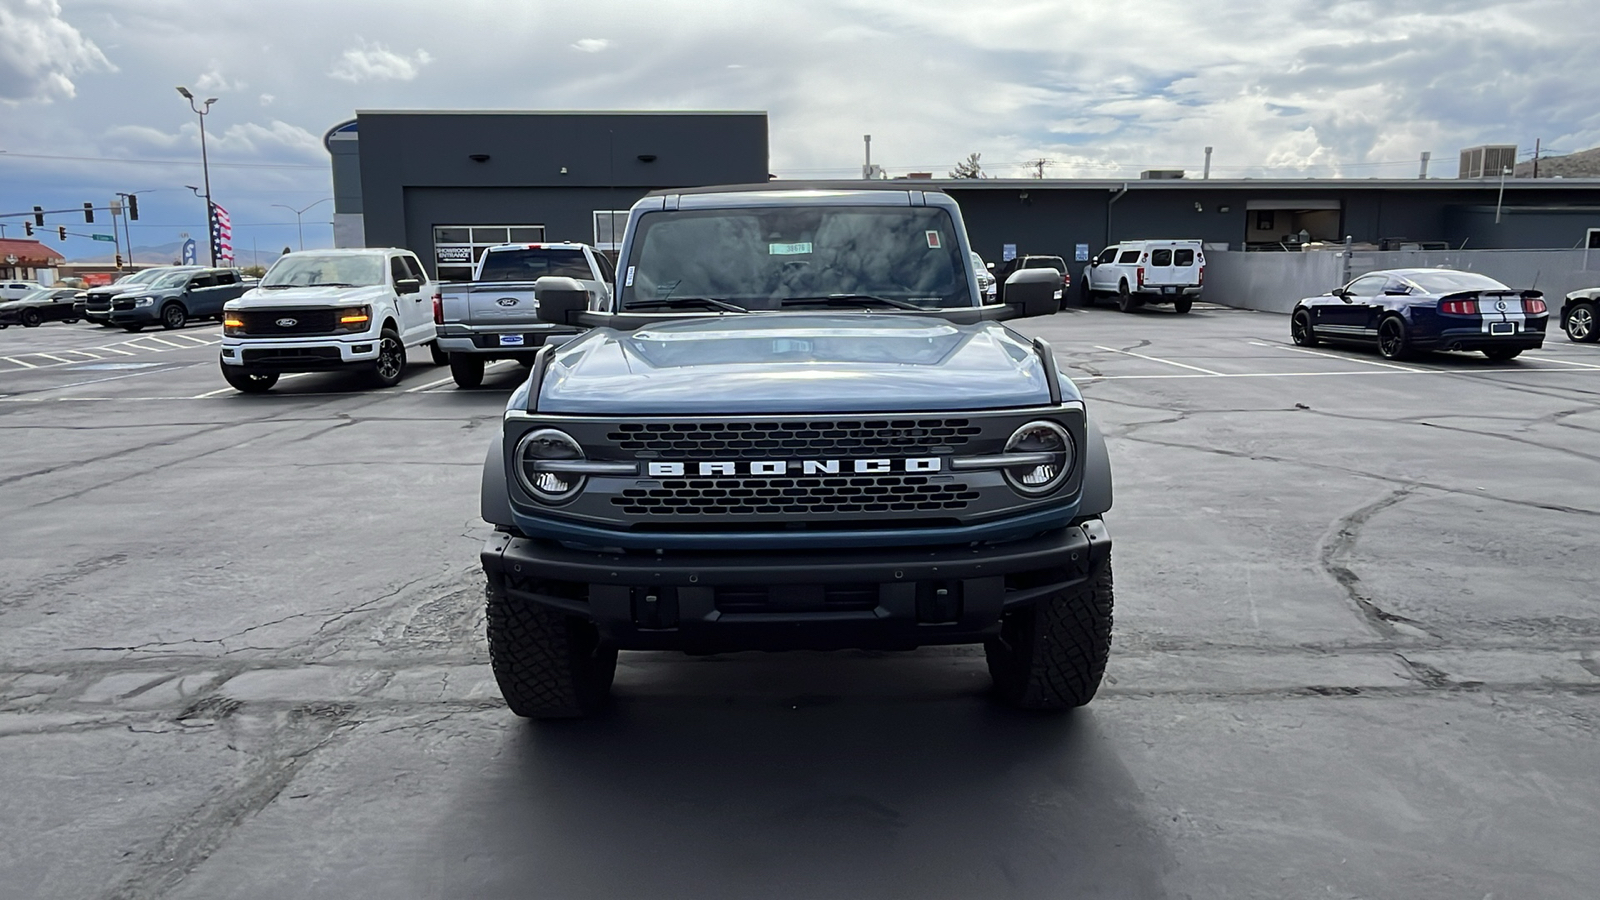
(605, 588)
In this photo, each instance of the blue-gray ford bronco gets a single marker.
(798, 425)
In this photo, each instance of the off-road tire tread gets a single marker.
(1070, 643)
(545, 667)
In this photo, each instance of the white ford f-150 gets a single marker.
(321, 310)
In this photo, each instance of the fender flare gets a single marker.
(1096, 497)
(495, 503)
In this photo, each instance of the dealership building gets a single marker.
(447, 184)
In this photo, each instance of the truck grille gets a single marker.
(120, 303)
(264, 323)
(768, 496)
(788, 440)
(292, 356)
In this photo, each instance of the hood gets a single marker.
(796, 363)
(301, 297)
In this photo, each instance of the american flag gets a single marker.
(221, 234)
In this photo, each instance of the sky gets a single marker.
(1288, 88)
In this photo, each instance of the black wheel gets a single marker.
(248, 382)
(1182, 306)
(1502, 354)
(1052, 655)
(1125, 299)
(1300, 329)
(466, 370)
(549, 665)
(440, 358)
(1394, 342)
(173, 315)
(390, 366)
(31, 318)
(1580, 324)
(1085, 296)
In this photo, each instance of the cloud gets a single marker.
(267, 99)
(213, 81)
(40, 53)
(274, 140)
(375, 62)
(591, 45)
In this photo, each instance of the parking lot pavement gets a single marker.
(1355, 654)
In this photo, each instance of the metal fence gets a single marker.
(1272, 282)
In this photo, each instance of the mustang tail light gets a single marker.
(1533, 306)
(1459, 307)
(438, 309)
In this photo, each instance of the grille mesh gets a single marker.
(306, 321)
(786, 440)
(768, 496)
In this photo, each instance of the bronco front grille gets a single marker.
(769, 496)
(790, 440)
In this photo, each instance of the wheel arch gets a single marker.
(495, 498)
(1097, 492)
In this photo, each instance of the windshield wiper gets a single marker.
(680, 302)
(850, 300)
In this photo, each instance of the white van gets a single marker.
(1141, 272)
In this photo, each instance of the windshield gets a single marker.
(760, 258)
(145, 277)
(307, 269)
(1448, 282)
(171, 279)
(531, 264)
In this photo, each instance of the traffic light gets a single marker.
(88, 213)
(119, 260)
(38, 216)
(61, 231)
(28, 227)
(133, 207)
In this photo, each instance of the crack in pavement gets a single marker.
(1335, 551)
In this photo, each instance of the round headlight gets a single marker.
(535, 451)
(1053, 445)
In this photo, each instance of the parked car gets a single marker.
(321, 310)
(495, 316)
(1019, 263)
(175, 297)
(38, 307)
(1139, 273)
(94, 304)
(1408, 310)
(1578, 315)
(16, 290)
(986, 282)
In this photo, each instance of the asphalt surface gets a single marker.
(241, 653)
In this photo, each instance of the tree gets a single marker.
(969, 167)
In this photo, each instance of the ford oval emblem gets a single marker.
(288, 323)
(1500, 305)
(507, 301)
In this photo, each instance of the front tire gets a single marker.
(31, 318)
(467, 371)
(549, 665)
(440, 358)
(1052, 655)
(390, 366)
(1394, 339)
(248, 382)
(173, 316)
(1300, 329)
(1580, 324)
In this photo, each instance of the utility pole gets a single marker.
(866, 167)
(116, 237)
(1038, 166)
(1501, 199)
(1205, 174)
(1536, 142)
(1426, 155)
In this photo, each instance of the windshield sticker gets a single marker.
(789, 249)
(630, 277)
(933, 240)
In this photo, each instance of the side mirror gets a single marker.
(407, 285)
(559, 299)
(1032, 292)
(989, 266)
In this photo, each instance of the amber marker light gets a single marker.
(354, 320)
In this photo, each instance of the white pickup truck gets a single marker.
(321, 310)
(495, 316)
(1141, 272)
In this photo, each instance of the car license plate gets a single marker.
(511, 340)
(1502, 328)
(1169, 290)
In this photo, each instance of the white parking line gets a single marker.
(190, 337)
(444, 381)
(84, 353)
(115, 350)
(163, 341)
(1156, 359)
(13, 359)
(56, 358)
(1367, 362)
(229, 389)
(1564, 362)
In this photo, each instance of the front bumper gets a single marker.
(709, 601)
(316, 354)
(139, 315)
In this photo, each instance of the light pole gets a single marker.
(205, 167)
(297, 214)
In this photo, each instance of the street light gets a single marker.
(297, 214)
(205, 166)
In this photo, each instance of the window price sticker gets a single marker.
(799, 249)
(934, 241)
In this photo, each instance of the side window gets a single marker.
(606, 271)
(1128, 257)
(201, 282)
(1107, 255)
(397, 269)
(414, 268)
(1183, 257)
(227, 279)
(1368, 285)
(1162, 257)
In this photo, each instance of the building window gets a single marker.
(608, 227)
(457, 248)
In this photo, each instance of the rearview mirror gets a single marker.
(559, 299)
(1032, 292)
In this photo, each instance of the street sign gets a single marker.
(1008, 252)
(102, 237)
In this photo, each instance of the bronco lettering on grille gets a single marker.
(767, 467)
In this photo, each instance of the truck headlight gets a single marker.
(353, 319)
(1052, 447)
(143, 301)
(538, 464)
